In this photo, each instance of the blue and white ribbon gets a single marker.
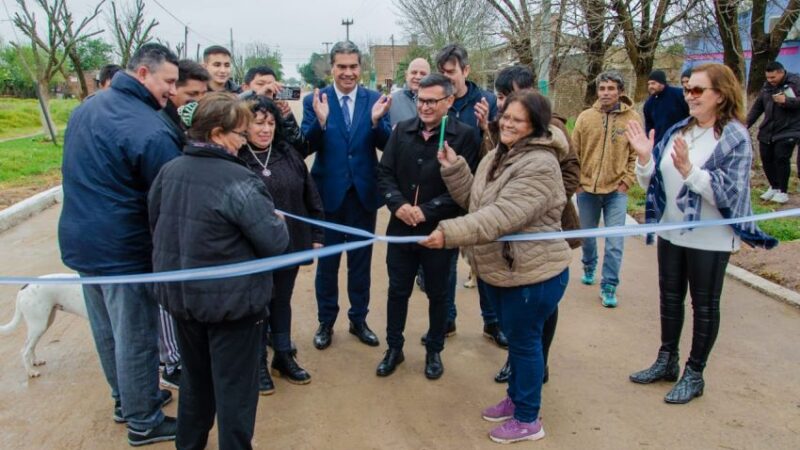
(291, 259)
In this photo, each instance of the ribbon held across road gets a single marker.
(367, 238)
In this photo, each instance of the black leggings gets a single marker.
(777, 161)
(704, 272)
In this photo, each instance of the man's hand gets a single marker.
(317, 245)
(380, 108)
(418, 215)
(321, 108)
(406, 214)
(622, 187)
(434, 240)
(779, 98)
(284, 107)
(482, 114)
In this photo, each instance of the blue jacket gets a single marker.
(463, 108)
(346, 159)
(663, 110)
(114, 146)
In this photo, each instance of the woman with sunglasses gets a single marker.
(269, 154)
(699, 171)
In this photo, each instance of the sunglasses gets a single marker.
(695, 91)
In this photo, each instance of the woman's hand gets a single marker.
(640, 141)
(680, 156)
(434, 240)
(447, 157)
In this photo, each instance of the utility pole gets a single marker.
(327, 47)
(392, 39)
(231, 42)
(197, 58)
(545, 48)
(185, 40)
(347, 23)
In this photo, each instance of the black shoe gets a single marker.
(449, 331)
(546, 376)
(391, 359)
(364, 334)
(284, 365)
(164, 432)
(433, 366)
(265, 384)
(171, 380)
(166, 397)
(665, 368)
(493, 333)
(691, 385)
(503, 374)
(323, 336)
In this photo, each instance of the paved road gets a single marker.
(752, 398)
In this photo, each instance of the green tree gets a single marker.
(94, 54)
(257, 54)
(316, 71)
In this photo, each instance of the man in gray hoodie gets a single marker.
(404, 102)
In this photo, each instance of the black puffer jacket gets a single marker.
(207, 208)
(780, 121)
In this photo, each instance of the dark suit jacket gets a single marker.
(346, 159)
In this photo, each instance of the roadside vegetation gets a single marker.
(20, 117)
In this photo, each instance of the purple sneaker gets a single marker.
(499, 412)
(514, 431)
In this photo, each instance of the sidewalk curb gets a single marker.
(19, 212)
(22, 211)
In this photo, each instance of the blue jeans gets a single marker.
(523, 311)
(614, 208)
(124, 322)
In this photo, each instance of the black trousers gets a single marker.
(220, 375)
(280, 309)
(777, 161)
(703, 271)
(402, 260)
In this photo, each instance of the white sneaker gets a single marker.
(769, 193)
(780, 197)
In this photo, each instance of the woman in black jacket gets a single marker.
(207, 208)
(268, 154)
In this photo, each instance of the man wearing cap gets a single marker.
(666, 105)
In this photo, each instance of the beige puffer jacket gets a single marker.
(527, 196)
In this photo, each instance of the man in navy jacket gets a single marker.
(344, 124)
(114, 146)
(665, 107)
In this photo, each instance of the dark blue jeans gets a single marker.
(124, 322)
(359, 261)
(523, 312)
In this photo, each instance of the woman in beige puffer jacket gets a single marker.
(517, 188)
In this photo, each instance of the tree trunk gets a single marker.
(642, 68)
(76, 63)
(44, 110)
(594, 68)
(727, 13)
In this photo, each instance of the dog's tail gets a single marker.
(11, 326)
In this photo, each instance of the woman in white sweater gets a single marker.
(699, 171)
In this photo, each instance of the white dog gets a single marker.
(38, 303)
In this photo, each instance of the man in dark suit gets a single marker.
(344, 124)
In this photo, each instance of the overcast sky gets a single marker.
(296, 27)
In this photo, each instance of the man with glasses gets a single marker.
(779, 131)
(607, 172)
(344, 124)
(410, 182)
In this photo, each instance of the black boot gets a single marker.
(690, 386)
(493, 333)
(284, 365)
(503, 374)
(665, 368)
(265, 384)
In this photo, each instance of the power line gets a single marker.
(212, 41)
